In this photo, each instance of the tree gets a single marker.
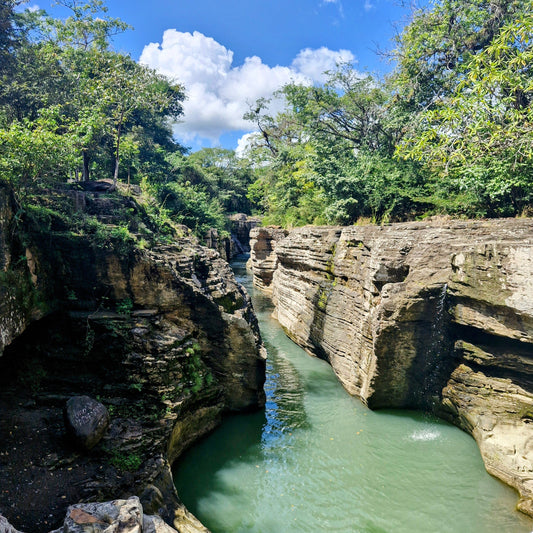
(35, 154)
(433, 52)
(482, 135)
(88, 26)
(334, 154)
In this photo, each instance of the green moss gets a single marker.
(229, 304)
(322, 299)
(330, 265)
(127, 462)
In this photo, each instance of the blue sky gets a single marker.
(228, 53)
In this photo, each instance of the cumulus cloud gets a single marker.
(314, 63)
(219, 93)
(245, 143)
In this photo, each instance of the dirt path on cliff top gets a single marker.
(40, 473)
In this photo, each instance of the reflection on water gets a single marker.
(316, 459)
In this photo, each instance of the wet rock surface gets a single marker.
(428, 315)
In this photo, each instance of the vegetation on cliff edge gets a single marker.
(447, 132)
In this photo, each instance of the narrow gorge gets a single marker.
(436, 316)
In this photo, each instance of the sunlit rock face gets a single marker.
(263, 260)
(428, 315)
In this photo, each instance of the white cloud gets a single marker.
(219, 93)
(314, 63)
(245, 143)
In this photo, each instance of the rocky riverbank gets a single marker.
(157, 331)
(435, 316)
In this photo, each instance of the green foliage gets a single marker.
(191, 205)
(330, 156)
(124, 307)
(126, 462)
(87, 27)
(480, 137)
(199, 190)
(69, 106)
(448, 132)
(35, 154)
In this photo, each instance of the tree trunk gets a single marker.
(85, 166)
(117, 154)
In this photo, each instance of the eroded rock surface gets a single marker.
(117, 516)
(421, 315)
(263, 259)
(241, 226)
(161, 335)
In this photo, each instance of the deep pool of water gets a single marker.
(317, 460)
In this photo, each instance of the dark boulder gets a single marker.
(86, 420)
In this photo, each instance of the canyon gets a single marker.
(435, 316)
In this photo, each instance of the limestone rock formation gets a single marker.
(263, 259)
(241, 226)
(160, 334)
(428, 315)
(117, 516)
(225, 246)
(238, 242)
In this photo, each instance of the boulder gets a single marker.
(117, 516)
(86, 421)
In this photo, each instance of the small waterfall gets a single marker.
(238, 245)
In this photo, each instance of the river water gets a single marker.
(317, 460)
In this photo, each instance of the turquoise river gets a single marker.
(317, 460)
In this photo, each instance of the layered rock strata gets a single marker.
(238, 242)
(241, 226)
(263, 260)
(420, 315)
(162, 335)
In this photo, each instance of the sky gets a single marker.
(229, 53)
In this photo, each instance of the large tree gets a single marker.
(481, 135)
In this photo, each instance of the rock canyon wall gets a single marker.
(161, 335)
(435, 316)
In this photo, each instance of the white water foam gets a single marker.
(425, 434)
